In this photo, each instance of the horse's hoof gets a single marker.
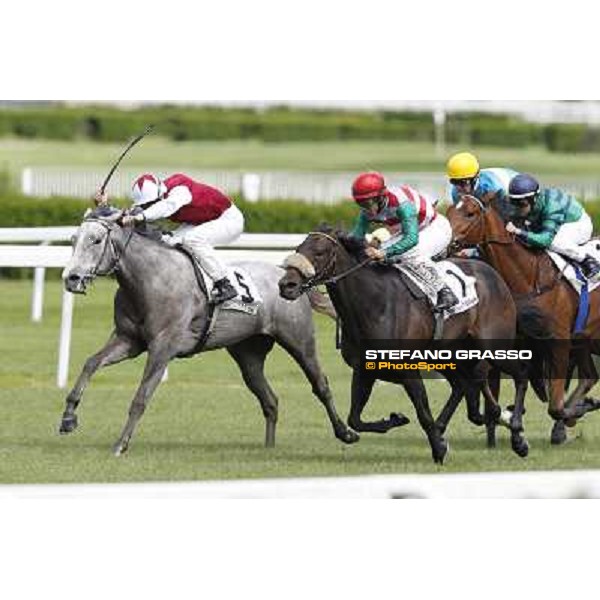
(68, 424)
(398, 420)
(520, 446)
(559, 434)
(119, 449)
(349, 437)
(439, 454)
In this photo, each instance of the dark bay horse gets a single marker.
(373, 303)
(536, 282)
(160, 309)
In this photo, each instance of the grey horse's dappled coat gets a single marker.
(161, 309)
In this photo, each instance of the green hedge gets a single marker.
(274, 124)
(572, 138)
(279, 216)
(273, 216)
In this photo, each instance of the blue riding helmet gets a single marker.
(523, 187)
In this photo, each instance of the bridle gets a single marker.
(115, 251)
(537, 291)
(325, 277)
(478, 223)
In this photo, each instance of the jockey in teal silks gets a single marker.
(417, 231)
(552, 219)
(466, 178)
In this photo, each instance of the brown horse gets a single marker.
(536, 282)
(374, 303)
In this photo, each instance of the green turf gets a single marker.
(156, 152)
(204, 424)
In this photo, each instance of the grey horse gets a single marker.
(161, 308)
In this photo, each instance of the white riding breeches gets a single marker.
(433, 240)
(202, 238)
(569, 237)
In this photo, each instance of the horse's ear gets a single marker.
(324, 227)
(488, 198)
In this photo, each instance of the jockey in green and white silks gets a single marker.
(552, 219)
(417, 231)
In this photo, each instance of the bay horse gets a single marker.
(161, 308)
(536, 282)
(374, 303)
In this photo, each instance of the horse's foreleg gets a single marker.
(362, 386)
(418, 396)
(117, 349)
(250, 357)
(153, 372)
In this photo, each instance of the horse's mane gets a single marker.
(103, 211)
(355, 246)
(146, 230)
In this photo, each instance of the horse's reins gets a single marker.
(315, 281)
(118, 255)
(538, 291)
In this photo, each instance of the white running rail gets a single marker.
(272, 248)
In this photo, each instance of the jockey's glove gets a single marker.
(129, 220)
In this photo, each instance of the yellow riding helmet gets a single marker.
(462, 166)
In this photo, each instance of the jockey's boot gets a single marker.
(223, 291)
(446, 299)
(591, 268)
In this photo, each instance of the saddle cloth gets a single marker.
(248, 299)
(568, 270)
(461, 284)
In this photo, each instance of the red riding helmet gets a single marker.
(367, 186)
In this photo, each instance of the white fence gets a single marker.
(271, 248)
(326, 188)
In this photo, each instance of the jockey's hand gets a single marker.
(131, 220)
(374, 253)
(512, 228)
(100, 198)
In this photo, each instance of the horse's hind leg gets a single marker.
(250, 357)
(305, 354)
(451, 405)
(117, 349)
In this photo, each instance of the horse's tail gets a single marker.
(321, 303)
(533, 324)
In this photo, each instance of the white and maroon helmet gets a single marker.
(147, 188)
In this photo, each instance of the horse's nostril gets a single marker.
(73, 277)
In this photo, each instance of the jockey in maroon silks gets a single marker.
(207, 218)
